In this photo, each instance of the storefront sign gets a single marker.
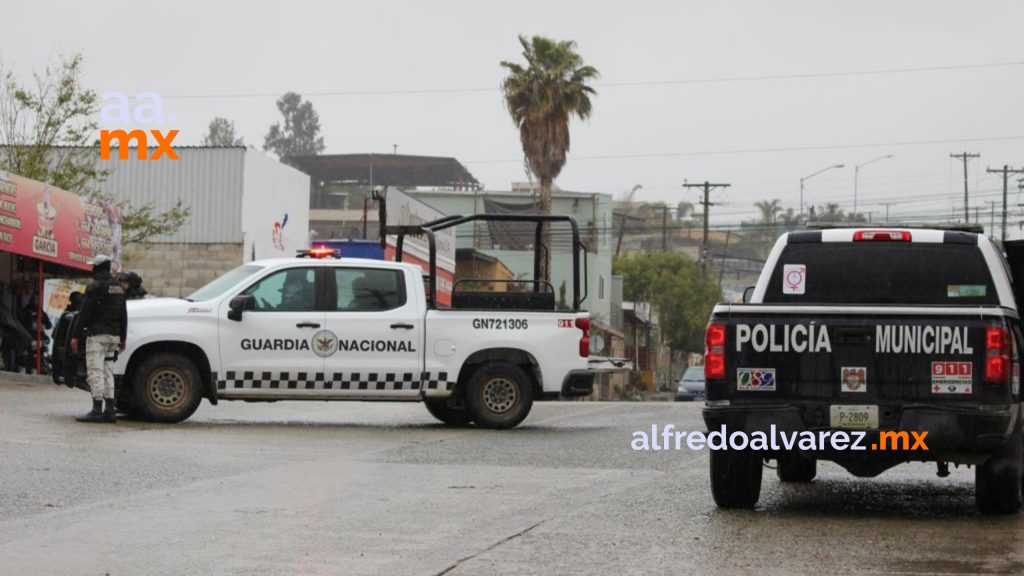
(41, 221)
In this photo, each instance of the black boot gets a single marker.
(109, 415)
(96, 415)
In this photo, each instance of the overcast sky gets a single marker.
(215, 58)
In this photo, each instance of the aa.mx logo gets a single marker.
(148, 109)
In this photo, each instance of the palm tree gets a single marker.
(790, 219)
(541, 97)
(770, 210)
(832, 213)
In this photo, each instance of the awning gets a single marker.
(45, 222)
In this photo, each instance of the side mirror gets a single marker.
(748, 293)
(240, 303)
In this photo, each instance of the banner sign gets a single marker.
(404, 210)
(45, 222)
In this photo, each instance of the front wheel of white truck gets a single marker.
(167, 388)
(499, 395)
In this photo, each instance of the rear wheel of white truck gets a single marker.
(795, 467)
(997, 482)
(735, 478)
(443, 410)
(499, 395)
(167, 388)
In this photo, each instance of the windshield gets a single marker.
(695, 373)
(883, 273)
(222, 284)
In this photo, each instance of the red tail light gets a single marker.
(714, 352)
(881, 236)
(584, 325)
(997, 355)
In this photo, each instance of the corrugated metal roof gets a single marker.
(208, 180)
(386, 169)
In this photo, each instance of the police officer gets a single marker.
(132, 284)
(104, 320)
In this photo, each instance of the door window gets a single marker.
(368, 289)
(292, 290)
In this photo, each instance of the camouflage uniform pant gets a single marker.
(99, 370)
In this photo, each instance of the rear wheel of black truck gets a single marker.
(735, 478)
(795, 467)
(997, 482)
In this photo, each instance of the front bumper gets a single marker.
(953, 432)
(578, 383)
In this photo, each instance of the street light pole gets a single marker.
(806, 178)
(856, 172)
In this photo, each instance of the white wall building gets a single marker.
(244, 205)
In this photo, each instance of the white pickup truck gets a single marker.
(352, 329)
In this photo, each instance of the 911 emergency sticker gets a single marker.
(755, 379)
(794, 279)
(952, 377)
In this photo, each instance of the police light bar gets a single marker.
(319, 252)
(881, 236)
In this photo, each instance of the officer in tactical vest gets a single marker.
(104, 322)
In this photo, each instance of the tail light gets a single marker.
(997, 355)
(584, 325)
(881, 236)
(714, 352)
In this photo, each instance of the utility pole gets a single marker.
(965, 156)
(664, 228)
(991, 218)
(622, 231)
(707, 204)
(887, 204)
(1006, 170)
(725, 254)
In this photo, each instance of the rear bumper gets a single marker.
(952, 432)
(578, 383)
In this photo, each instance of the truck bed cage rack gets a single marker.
(429, 228)
(949, 226)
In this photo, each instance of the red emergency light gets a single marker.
(881, 236)
(319, 252)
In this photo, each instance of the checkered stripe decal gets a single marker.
(276, 380)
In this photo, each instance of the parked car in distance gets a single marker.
(691, 384)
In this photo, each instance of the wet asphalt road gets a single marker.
(358, 488)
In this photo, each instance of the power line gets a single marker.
(671, 82)
(763, 150)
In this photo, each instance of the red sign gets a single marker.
(51, 224)
(952, 369)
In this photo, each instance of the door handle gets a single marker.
(402, 326)
(307, 325)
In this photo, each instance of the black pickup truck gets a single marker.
(870, 348)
